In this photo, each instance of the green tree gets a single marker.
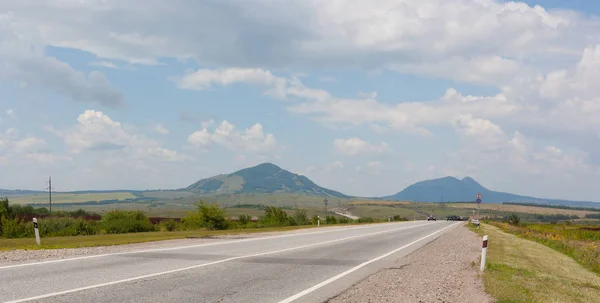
(209, 216)
(301, 216)
(244, 219)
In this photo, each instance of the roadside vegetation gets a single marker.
(521, 270)
(89, 228)
(580, 242)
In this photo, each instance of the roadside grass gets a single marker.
(119, 239)
(576, 241)
(383, 212)
(520, 270)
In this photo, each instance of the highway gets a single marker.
(312, 266)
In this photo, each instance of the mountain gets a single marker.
(263, 178)
(451, 189)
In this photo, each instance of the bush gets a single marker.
(331, 220)
(209, 216)
(169, 225)
(301, 217)
(398, 218)
(365, 220)
(315, 220)
(244, 219)
(120, 222)
(276, 216)
(344, 220)
(514, 219)
(15, 228)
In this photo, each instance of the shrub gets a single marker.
(398, 218)
(15, 228)
(244, 219)
(276, 216)
(514, 219)
(365, 220)
(344, 220)
(209, 216)
(301, 217)
(331, 220)
(169, 225)
(119, 222)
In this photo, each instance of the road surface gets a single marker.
(305, 267)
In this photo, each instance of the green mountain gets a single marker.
(451, 189)
(263, 178)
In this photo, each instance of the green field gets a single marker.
(70, 198)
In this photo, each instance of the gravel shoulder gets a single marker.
(18, 256)
(441, 271)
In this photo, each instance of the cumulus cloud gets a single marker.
(357, 146)
(252, 140)
(18, 150)
(96, 131)
(159, 129)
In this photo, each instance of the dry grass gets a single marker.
(520, 270)
(524, 209)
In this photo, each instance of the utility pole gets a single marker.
(49, 188)
(325, 203)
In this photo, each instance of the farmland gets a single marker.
(524, 209)
(71, 197)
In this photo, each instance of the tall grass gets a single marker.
(579, 242)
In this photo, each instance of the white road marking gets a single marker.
(206, 264)
(311, 289)
(191, 246)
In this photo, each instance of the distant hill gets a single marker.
(263, 178)
(451, 189)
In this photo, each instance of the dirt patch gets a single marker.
(446, 270)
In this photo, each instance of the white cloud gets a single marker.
(17, 150)
(98, 132)
(11, 113)
(158, 128)
(23, 60)
(356, 146)
(250, 140)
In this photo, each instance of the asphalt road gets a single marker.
(306, 267)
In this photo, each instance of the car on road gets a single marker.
(430, 218)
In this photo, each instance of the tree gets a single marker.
(301, 217)
(514, 219)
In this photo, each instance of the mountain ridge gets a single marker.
(262, 178)
(452, 189)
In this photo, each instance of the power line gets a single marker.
(49, 188)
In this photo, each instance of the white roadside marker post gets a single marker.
(318, 220)
(37, 232)
(389, 219)
(483, 252)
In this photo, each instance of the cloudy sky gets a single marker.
(364, 97)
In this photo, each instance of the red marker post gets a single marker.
(484, 252)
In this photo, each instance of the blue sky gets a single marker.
(361, 97)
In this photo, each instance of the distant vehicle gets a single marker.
(455, 218)
(431, 218)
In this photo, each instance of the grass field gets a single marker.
(523, 209)
(582, 243)
(382, 212)
(519, 270)
(70, 198)
(291, 200)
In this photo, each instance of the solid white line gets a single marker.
(206, 264)
(194, 246)
(311, 289)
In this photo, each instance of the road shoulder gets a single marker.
(444, 270)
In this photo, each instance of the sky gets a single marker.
(363, 97)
